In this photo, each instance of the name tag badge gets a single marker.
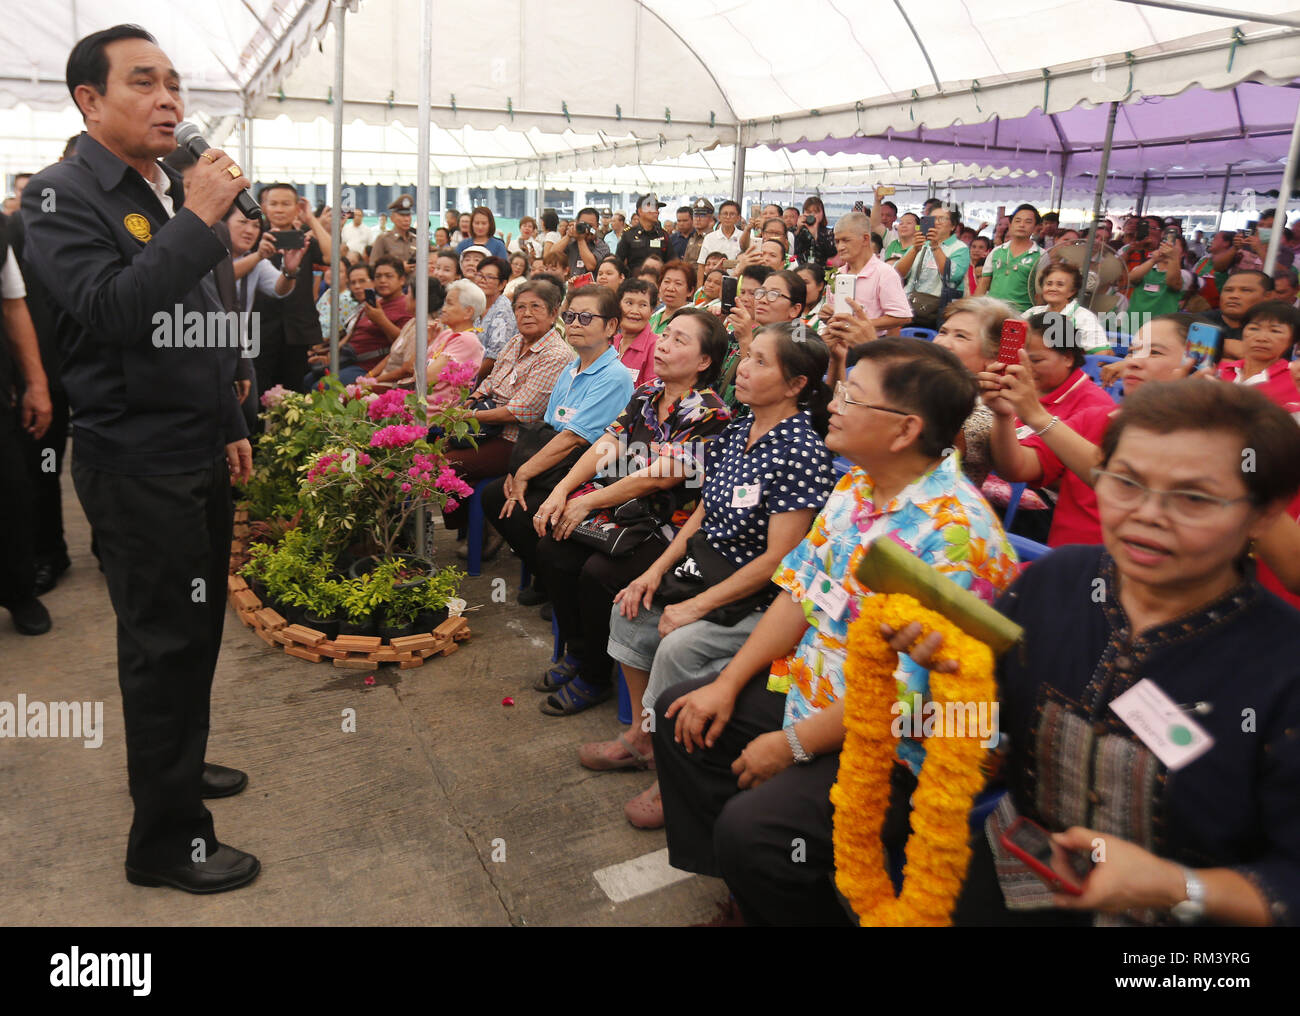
(1153, 287)
(1024, 432)
(514, 376)
(564, 413)
(656, 242)
(1173, 736)
(829, 595)
(745, 496)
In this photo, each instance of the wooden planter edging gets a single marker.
(348, 652)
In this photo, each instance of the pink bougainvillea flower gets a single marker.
(370, 679)
(405, 487)
(396, 436)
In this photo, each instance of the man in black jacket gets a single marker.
(148, 365)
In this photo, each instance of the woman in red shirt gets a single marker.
(1267, 332)
(636, 339)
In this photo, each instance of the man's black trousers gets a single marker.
(164, 542)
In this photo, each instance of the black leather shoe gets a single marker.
(31, 618)
(47, 575)
(221, 781)
(227, 868)
(532, 597)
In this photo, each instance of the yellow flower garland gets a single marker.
(937, 851)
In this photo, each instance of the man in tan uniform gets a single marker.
(398, 242)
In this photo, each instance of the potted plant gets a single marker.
(325, 603)
(434, 594)
(289, 573)
(401, 611)
(358, 607)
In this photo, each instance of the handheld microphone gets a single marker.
(189, 138)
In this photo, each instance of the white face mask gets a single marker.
(1265, 233)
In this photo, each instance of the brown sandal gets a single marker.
(596, 756)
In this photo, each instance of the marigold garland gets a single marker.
(938, 851)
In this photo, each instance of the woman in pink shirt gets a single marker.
(456, 343)
(1268, 331)
(636, 339)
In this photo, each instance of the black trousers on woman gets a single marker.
(582, 583)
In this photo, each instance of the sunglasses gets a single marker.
(583, 318)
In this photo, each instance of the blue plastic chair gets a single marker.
(1121, 342)
(624, 699)
(558, 650)
(927, 334)
(842, 465)
(1027, 550)
(1093, 362)
(1017, 491)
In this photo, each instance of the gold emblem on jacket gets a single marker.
(138, 226)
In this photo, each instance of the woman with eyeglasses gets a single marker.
(1047, 443)
(779, 298)
(653, 451)
(584, 399)
(765, 478)
(1151, 709)
(746, 757)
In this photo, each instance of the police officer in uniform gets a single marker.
(702, 219)
(398, 242)
(158, 435)
(645, 236)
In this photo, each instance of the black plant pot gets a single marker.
(328, 625)
(427, 620)
(293, 613)
(388, 632)
(259, 590)
(348, 627)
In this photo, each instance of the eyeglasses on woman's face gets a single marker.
(1190, 507)
(770, 295)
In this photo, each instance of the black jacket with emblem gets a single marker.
(117, 268)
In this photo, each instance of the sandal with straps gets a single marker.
(574, 697)
(558, 675)
(596, 756)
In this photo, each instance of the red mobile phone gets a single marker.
(1014, 333)
(578, 281)
(1033, 844)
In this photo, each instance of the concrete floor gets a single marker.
(391, 825)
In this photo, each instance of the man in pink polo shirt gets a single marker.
(879, 289)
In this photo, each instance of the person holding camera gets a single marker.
(1160, 281)
(582, 244)
(814, 241)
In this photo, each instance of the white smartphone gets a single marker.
(845, 287)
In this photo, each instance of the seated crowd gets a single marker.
(691, 437)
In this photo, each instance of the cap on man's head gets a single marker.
(702, 206)
(477, 248)
(405, 204)
(650, 202)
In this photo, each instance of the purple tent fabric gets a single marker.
(1187, 137)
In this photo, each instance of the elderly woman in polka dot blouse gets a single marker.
(766, 477)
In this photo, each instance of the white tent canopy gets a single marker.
(669, 77)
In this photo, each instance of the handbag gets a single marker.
(533, 437)
(927, 308)
(702, 568)
(620, 531)
(485, 430)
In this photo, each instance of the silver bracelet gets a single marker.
(801, 757)
(1055, 421)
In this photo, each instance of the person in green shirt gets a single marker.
(1158, 283)
(1009, 270)
(906, 224)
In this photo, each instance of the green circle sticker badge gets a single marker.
(1180, 735)
(826, 585)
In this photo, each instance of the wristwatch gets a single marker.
(1192, 909)
(289, 274)
(801, 757)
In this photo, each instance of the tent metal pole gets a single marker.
(1096, 200)
(1142, 197)
(1284, 196)
(422, 241)
(1223, 198)
(337, 15)
(1218, 12)
(738, 173)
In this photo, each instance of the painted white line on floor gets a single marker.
(641, 875)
